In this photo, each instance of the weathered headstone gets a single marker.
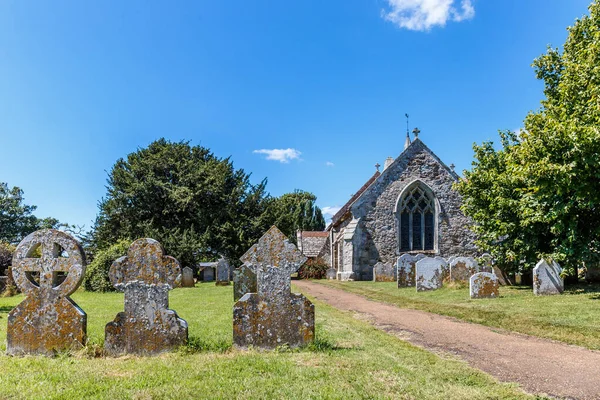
(546, 278)
(222, 272)
(406, 270)
(420, 256)
(462, 268)
(147, 326)
(445, 268)
(331, 274)
(208, 273)
(187, 277)
(483, 285)
(244, 281)
(429, 273)
(384, 273)
(47, 320)
(273, 316)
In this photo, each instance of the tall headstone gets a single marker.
(461, 269)
(273, 316)
(384, 273)
(406, 270)
(47, 266)
(546, 278)
(483, 285)
(222, 272)
(429, 273)
(187, 277)
(244, 281)
(147, 326)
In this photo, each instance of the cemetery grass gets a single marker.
(570, 318)
(349, 359)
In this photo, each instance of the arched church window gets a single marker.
(417, 213)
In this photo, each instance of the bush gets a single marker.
(313, 269)
(96, 274)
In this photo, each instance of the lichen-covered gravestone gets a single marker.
(187, 277)
(406, 270)
(147, 326)
(429, 273)
(483, 285)
(461, 269)
(244, 281)
(546, 278)
(384, 273)
(222, 272)
(47, 266)
(273, 316)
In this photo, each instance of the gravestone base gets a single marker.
(287, 321)
(45, 329)
(345, 276)
(146, 327)
(222, 283)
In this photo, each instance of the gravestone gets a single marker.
(429, 273)
(592, 274)
(187, 277)
(420, 256)
(486, 263)
(546, 278)
(273, 316)
(222, 272)
(331, 274)
(384, 273)
(483, 285)
(462, 268)
(208, 274)
(47, 321)
(244, 281)
(146, 326)
(406, 270)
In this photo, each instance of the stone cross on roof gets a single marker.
(274, 249)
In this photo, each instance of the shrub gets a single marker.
(6, 253)
(96, 274)
(313, 269)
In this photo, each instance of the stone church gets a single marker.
(408, 207)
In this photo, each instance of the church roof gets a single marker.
(338, 216)
(416, 142)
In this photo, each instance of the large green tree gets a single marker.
(198, 205)
(547, 180)
(295, 211)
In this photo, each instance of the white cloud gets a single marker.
(422, 15)
(281, 155)
(330, 164)
(330, 210)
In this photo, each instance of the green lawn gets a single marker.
(573, 317)
(350, 359)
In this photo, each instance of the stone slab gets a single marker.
(223, 273)
(147, 326)
(483, 285)
(406, 264)
(331, 274)
(48, 320)
(546, 278)
(187, 277)
(384, 273)
(429, 273)
(461, 269)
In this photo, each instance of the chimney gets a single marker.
(388, 162)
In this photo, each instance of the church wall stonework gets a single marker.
(378, 239)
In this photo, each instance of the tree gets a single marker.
(197, 205)
(16, 218)
(550, 203)
(295, 211)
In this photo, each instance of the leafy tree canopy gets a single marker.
(539, 195)
(296, 211)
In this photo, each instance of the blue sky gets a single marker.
(327, 83)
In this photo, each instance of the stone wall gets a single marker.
(378, 239)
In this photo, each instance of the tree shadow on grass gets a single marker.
(585, 288)
(6, 309)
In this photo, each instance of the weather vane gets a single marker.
(406, 115)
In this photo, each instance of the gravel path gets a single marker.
(540, 366)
